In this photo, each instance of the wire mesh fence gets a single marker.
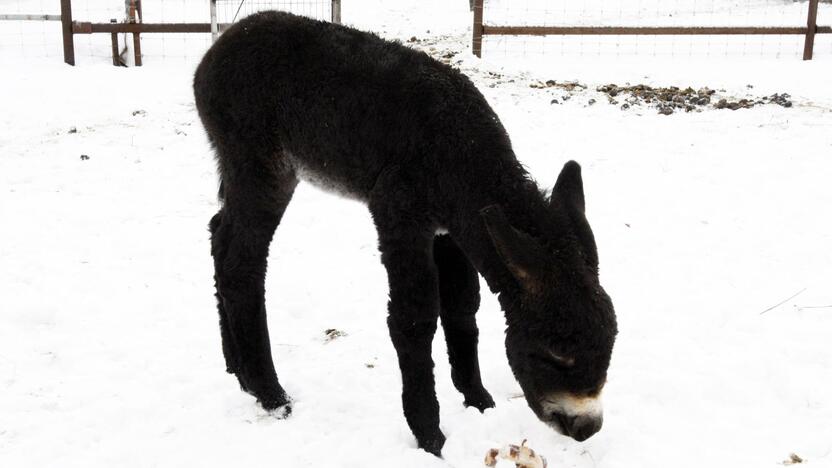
(21, 38)
(823, 43)
(646, 12)
(39, 39)
(503, 15)
(43, 38)
(229, 11)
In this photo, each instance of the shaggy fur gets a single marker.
(285, 98)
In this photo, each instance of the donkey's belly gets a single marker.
(327, 179)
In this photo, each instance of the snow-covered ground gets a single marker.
(109, 342)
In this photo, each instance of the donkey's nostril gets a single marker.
(583, 428)
(566, 423)
(580, 427)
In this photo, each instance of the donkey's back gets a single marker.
(337, 105)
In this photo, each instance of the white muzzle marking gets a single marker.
(571, 405)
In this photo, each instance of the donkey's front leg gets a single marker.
(413, 310)
(459, 293)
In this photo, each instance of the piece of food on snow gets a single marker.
(522, 456)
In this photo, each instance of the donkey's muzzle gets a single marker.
(578, 417)
(580, 427)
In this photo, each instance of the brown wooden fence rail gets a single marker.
(810, 30)
(136, 26)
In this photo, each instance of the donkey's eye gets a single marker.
(554, 359)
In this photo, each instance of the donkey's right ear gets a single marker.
(520, 253)
(569, 189)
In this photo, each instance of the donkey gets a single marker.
(285, 98)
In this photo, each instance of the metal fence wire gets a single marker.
(772, 28)
(133, 29)
(229, 11)
(684, 28)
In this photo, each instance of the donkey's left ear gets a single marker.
(569, 189)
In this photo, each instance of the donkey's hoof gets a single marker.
(480, 400)
(281, 412)
(433, 444)
(280, 408)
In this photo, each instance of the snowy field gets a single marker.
(109, 340)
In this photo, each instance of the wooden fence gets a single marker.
(135, 26)
(809, 31)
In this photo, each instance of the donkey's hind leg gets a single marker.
(229, 348)
(459, 294)
(255, 198)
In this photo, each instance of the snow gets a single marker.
(109, 342)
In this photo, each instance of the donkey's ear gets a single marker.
(568, 194)
(569, 189)
(519, 251)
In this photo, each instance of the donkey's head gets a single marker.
(561, 323)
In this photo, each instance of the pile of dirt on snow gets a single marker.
(666, 100)
(670, 99)
(565, 85)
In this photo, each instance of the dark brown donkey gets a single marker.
(284, 98)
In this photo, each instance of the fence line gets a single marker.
(491, 18)
(91, 18)
(480, 29)
(22, 17)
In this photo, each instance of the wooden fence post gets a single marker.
(215, 30)
(66, 29)
(812, 27)
(134, 15)
(336, 11)
(476, 42)
(114, 45)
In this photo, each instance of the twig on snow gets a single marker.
(238, 10)
(784, 301)
(815, 307)
(587, 452)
